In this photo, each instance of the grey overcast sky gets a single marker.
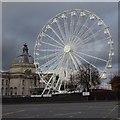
(22, 22)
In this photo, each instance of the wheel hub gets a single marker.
(67, 48)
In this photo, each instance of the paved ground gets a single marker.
(62, 110)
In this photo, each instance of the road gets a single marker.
(62, 110)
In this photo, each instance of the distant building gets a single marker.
(115, 83)
(21, 78)
(105, 86)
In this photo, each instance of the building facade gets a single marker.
(21, 77)
(115, 83)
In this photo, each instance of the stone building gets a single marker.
(21, 77)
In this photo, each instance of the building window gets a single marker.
(6, 82)
(23, 82)
(9, 81)
(6, 91)
(11, 91)
(15, 90)
(23, 91)
(35, 82)
(2, 82)
(2, 90)
(31, 83)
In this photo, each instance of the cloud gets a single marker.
(22, 23)
(60, 1)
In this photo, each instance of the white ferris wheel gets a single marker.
(71, 39)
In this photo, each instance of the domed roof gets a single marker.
(24, 57)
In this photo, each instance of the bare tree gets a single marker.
(86, 77)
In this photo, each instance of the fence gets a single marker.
(74, 97)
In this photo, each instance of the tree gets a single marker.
(86, 77)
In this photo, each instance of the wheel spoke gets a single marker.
(49, 62)
(77, 24)
(96, 42)
(78, 61)
(66, 28)
(54, 40)
(71, 25)
(62, 60)
(93, 57)
(86, 40)
(73, 61)
(49, 56)
(58, 58)
(91, 50)
(89, 29)
(77, 41)
(86, 61)
(53, 66)
(100, 41)
(50, 50)
(104, 39)
(52, 45)
(66, 68)
(61, 31)
(83, 26)
(56, 34)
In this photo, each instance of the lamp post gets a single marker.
(90, 79)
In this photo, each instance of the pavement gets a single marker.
(62, 110)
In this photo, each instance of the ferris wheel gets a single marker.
(71, 39)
